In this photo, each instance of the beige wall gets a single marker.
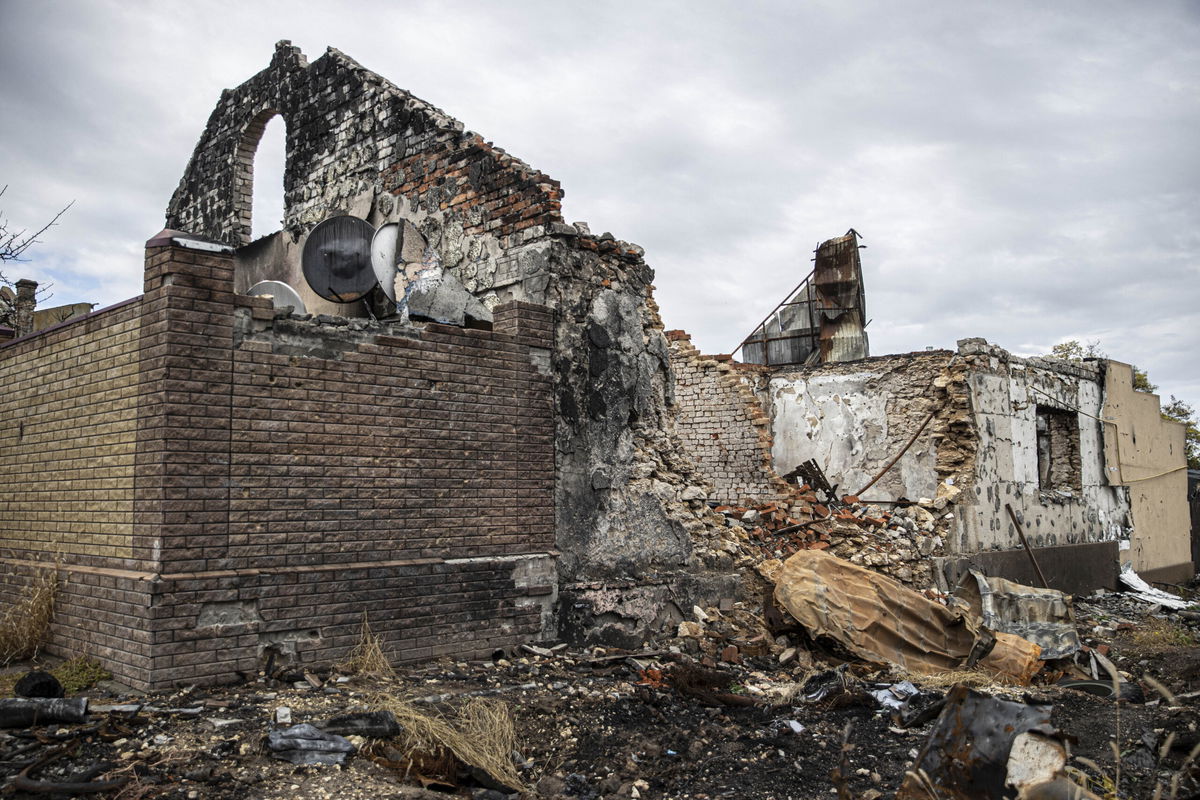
(69, 411)
(1145, 453)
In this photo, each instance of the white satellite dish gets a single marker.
(384, 246)
(280, 293)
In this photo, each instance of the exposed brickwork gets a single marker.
(68, 438)
(357, 144)
(723, 426)
(284, 476)
(350, 130)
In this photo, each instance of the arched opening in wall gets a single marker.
(262, 158)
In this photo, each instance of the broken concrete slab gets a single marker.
(437, 296)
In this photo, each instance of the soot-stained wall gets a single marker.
(358, 144)
(217, 481)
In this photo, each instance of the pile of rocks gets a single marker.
(900, 542)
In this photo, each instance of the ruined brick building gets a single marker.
(1086, 465)
(218, 478)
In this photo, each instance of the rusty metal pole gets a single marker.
(1029, 550)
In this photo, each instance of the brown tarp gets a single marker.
(882, 621)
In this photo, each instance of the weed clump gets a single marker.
(367, 656)
(80, 673)
(23, 625)
(1157, 635)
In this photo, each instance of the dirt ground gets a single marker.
(594, 724)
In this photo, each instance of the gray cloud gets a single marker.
(1020, 172)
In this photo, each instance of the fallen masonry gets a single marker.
(429, 426)
(720, 708)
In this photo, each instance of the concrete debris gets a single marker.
(900, 543)
(671, 715)
(437, 296)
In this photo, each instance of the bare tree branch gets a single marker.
(13, 244)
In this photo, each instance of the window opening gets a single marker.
(1058, 450)
(266, 179)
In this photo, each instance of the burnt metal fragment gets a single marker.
(967, 755)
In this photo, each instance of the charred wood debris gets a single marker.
(843, 681)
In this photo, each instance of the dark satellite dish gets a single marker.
(384, 249)
(337, 259)
(280, 293)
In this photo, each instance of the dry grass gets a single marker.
(367, 656)
(787, 694)
(974, 678)
(23, 626)
(1158, 635)
(482, 735)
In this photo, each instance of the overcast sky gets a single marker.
(1024, 172)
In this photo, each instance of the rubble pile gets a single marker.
(898, 543)
(736, 704)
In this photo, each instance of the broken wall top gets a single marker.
(348, 129)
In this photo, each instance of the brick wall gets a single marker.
(68, 437)
(326, 470)
(67, 464)
(359, 145)
(282, 476)
(723, 426)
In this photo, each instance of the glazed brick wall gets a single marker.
(723, 426)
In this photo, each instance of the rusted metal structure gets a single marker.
(823, 319)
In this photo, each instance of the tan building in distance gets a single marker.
(1145, 453)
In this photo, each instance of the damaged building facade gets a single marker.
(972, 443)
(504, 447)
(218, 479)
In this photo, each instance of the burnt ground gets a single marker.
(595, 724)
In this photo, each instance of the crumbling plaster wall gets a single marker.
(853, 417)
(723, 425)
(978, 452)
(1006, 392)
(626, 499)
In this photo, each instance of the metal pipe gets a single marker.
(1029, 550)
